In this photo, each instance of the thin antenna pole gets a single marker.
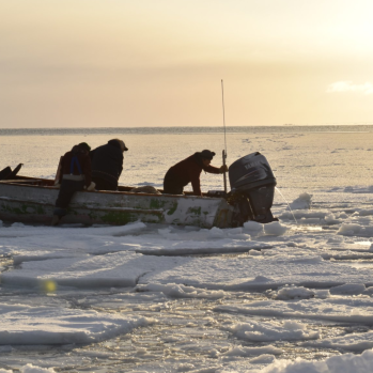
(223, 105)
(224, 153)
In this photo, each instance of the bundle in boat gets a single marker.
(7, 173)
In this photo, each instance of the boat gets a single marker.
(32, 201)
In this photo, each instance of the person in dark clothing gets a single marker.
(75, 175)
(189, 170)
(107, 164)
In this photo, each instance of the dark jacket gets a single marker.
(189, 170)
(76, 162)
(107, 162)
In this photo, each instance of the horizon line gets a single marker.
(189, 127)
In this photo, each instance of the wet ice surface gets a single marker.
(103, 299)
(148, 298)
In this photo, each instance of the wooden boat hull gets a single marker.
(30, 200)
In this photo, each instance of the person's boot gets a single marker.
(55, 220)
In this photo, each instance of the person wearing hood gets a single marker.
(107, 164)
(189, 171)
(75, 175)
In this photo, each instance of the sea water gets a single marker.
(296, 291)
(302, 158)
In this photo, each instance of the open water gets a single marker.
(311, 158)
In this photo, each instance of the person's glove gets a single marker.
(91, 186)
(224, 168)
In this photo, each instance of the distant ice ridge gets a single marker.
(356, 128)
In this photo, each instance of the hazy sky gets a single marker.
(124, 63)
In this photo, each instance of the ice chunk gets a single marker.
(274, 228)
(302, 202)
(254, 227)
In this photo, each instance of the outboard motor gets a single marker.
(252, 188)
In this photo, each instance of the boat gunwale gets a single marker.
(16, 182)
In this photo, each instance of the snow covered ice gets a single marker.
(286, 297)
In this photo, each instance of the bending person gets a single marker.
(75, 176)
(189, 171)
(107, 164)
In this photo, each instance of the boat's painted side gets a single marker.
(20, 201)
